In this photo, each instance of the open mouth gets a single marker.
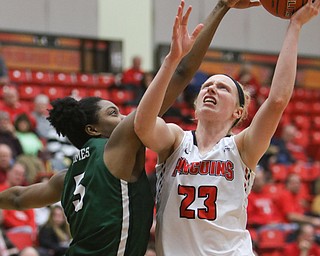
(209, 99)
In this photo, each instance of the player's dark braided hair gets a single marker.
(69, 117)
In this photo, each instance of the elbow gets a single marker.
(279, 103)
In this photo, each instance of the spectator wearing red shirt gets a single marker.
(133, 75)
(14, 219)
(305, 244)
(11, 102)
(262, 209)
(293, 203)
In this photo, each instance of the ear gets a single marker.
(91, 130)
(238, 113)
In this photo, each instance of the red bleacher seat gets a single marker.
(102, 93)
(105, 80)
(54, 92)
(28, 91)
(121, 96)
(315, 108)
(64, 78)
(86, 79)
(313, 148)
(78, 93)
(300, 108)
(315, 123)
(302, 122)
(307, 171)
(271, 239)
(40, 77)
(19, 75)
(126, 110)
(302, 139)
(279, 172)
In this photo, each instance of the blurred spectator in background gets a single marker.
(57, 150)
(3, 68)
(247, 79)
(139, 91)
(293, 203)
(7, 248)
(282, 148)
(315, 204)
(11, 102)
(15, 220)
(305, 244)
(6, 161)
(54, 236)
(60, 150)
(7, 135)
(133, 75)
(262, 209)
(40, 114)
(31, 146)
(29, 140)
(29, 251)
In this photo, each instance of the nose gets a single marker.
(212, 88)
(122, 116)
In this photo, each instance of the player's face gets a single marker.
(217, 95)
(109, 117)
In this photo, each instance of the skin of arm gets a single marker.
(35, 195)
(254, 141)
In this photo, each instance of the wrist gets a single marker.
(223, 5)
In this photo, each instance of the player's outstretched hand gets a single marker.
(182, 42)
(306, 13)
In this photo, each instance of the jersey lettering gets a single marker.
(207, 167)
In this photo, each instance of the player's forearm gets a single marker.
(9, 198)
(285, 71)
(191, 62)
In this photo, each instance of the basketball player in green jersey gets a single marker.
(105, 192)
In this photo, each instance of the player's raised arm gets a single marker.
(268, 116)
(146, 126)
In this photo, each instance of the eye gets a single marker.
(204, 86)
(113, 112)
(223, 87)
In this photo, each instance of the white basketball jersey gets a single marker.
(202, 201)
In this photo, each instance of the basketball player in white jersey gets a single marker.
(204, 177)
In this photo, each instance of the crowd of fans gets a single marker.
(283, 207)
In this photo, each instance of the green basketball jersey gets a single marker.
(107, 216)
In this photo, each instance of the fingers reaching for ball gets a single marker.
(306, 12)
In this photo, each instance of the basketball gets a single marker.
(282, 8)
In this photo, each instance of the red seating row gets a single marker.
(60, 78)
(299, 94)
(307, 171)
